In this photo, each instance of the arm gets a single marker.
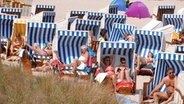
(113, 60)
(157, 87)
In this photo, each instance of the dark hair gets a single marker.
(122, 59)
(118, 70)
(168, 69)
(152, 54)
(106, 58)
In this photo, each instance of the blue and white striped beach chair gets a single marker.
(41, 7)
(119, 30)
(95, 15)
(180, 48)
(164, 61)
(44, 16)
(13, 11)
(113, 9)
(87, 25)
(148, 41)
(113, 18)
(79, 13)
(41, 33)
(165, 9)
(173, 19)
(6, 27)
(69, 43)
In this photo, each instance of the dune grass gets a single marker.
(17, 87)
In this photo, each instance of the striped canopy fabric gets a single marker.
(113, 18)
(148, 41)
(173, 19)
(41, 33)
(180, 48)
(79, 13)
(88, 25)
(6, 25)
(69, 43)
(48, 16)
(42, 7)
(164, 61)
(113, 9)
(13, 11)
(71, 20)
(119, 30)
(165, 9)
(121, 49)
(95, 15)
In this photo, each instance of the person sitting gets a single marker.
(91, 38)
(165, 97)
(81, 62)
(47, 51)
(103, 36)
(16, 44)
(178, 38)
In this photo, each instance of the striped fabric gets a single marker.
(95, 15)
(40, 33)
(164, 61)
(180, 48)
(6, 25)
(48, 16)
(119, 30)
(113, 18)
(123, 49)
(14, 11)
(166, 7)
(173, 19)
(148, 41)
(113, 9)
(79, 13)
(71, 20)
(88, 25)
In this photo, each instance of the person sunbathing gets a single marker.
(81, 62)
(44, 68)
(16, 44)
(47, 51)
(170, 82)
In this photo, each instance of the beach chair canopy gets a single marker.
(42, 7)
(148, 41)
(138, 10)
(44, 16)
(79, 13)
(119, 30)
(180, 48)
(113, 9)
(120, 3)
(95, 15)
(110, 19)
(87, 25)
(119, 49)
(164, 9)
(6, 25)
(173, 19)
(69, 43)
(41, 33)
(13, 11)
(164, 61)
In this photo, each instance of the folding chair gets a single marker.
(113, 9)
(119, 30)
(41, 7)
(68, 46)
(12, 11)
(173, 19)
(164, 9)
(112, 18)
(119, 49)
(164, 61)
(41, 33)
(44, 16)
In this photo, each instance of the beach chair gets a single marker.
(173, 19)
(95, 15)
(44, 16)
(68, 47)
(6, 27)
(41, 7)
(119, 30)
(41, 33)
(79, 13)
(119, 49)
(87, 25)
(179, 49)
(164, 61)
(109, 19)
(164, 9)
(12, 11)
(113, 9)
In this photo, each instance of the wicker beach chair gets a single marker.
(44, 16)
(12, 11)
(41, 7)
(164, 9)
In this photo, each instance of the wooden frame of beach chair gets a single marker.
(42, 7)
(44, 16)
(164, 61)
(109, 19)
(95, 45)
(119, 30)
(164, 9)
(41, 33)
(119, 49)
(12, 11)
(67, 51)
(79, 13)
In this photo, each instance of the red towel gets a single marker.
(123, 84)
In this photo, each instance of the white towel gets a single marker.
(20, 53)
(100, 77)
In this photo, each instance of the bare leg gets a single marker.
(127, 76)
(36, 49)
(157, 96)
(122, 74)
(74, 64)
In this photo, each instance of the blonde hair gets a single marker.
(83, 47)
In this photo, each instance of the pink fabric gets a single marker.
(90, 61)
(55, 63)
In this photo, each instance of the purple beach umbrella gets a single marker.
(138, 9)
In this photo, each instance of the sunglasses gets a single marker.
(171, 72)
